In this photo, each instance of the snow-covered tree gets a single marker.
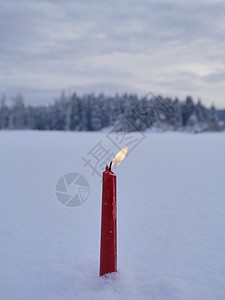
(93, 112)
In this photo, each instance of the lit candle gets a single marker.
(108, 251)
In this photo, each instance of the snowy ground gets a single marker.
(171, 219)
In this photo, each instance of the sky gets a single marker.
(173, 48)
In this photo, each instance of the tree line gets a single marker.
(94, 112)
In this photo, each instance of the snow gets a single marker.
(171, 219)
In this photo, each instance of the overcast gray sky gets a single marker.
(175, 48)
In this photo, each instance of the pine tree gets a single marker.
(4, 113)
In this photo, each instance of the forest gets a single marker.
(94, 112)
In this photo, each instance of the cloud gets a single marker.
(217, 77)
(171, 47)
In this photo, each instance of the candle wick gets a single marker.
(110, 166)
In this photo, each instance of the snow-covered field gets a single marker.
(171, 219)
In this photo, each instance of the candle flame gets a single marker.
(119, 157)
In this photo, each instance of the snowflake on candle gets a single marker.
(97, 158)
(125, 133)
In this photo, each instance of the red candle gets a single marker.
(108, 251)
